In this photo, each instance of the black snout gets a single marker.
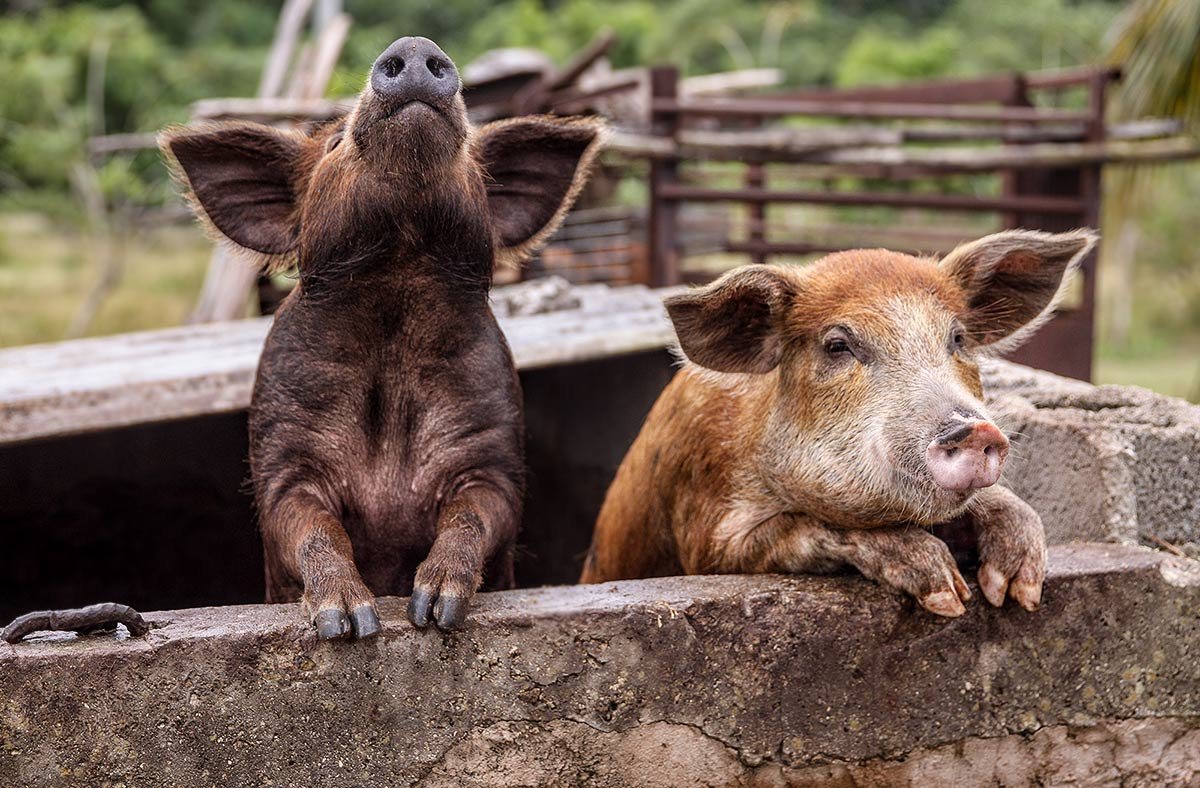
(414, 69)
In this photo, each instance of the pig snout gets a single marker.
(967, 457)
(414, 69)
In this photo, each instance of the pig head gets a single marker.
(827, 414)
(386, 433)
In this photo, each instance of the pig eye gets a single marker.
(838, 346)
(958, 341)
(334, 140)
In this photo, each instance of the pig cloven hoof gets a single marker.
(944, 603)
(366, 621)
(331, 624)
(447, 611)
(993, 583)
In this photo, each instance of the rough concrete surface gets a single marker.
(1106, 463)
(733, 680)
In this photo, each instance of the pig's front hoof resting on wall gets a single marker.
(442, 590)
(912, 561)
(1012, 548)
(342, 607)
(1013, 563)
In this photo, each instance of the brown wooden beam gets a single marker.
(889, 199)
(756, 107)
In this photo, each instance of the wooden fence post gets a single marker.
(662, 231)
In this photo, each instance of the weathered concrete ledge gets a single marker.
(681, 681)
(1103, 463)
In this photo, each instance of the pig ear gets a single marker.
(240, 179)
(1012, 281)
(535, 168)
(735, 323)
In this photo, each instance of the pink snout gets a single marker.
(968, 457)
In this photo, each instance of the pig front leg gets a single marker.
(1012, 547)
(910, 560)
(306, 541)
(476, 522)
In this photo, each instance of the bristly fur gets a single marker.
(796, 437)
(386, 426)
(269, 264)
(513, 257)
(1000, 244)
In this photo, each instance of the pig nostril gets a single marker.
(392, 67)
(435, 67)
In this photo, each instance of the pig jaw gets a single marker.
(877, 472)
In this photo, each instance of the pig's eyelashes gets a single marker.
(334, 140)
(836, 346)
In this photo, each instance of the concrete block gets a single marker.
(1109, 463)
(732, 680)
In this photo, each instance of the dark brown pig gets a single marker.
(386, 430)
(827, 414)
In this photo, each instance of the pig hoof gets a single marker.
(366, 621)
(419, 607)
(331, 623)
(944, 603)
(1027, 593)
(450, 612)
(993, 583)
(447, 611)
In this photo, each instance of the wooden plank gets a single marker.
(287, 34)
(943, 202)
(724, 83)
(271, 110)
(110, 382)
(661, 224)
(1055, 79)
(766, 107)
(999, 88)
(764, 248)
(950, 159)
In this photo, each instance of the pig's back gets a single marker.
(672, 485)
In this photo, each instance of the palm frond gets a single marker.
(1157, 44)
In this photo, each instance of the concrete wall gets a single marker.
(1108, 463)
(681, 681)
(158, 516)
(700, 681)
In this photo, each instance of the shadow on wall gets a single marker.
(160, 516)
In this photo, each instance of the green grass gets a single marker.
(1174, 371)
(47, 269)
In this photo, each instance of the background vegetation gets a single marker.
(149, 59)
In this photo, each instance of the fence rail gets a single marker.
(1044, 174)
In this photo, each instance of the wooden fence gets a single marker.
(1031, 166)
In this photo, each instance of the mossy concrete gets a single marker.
(1105, 463)
(761, 680)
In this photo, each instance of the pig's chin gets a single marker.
(932, 504)
(414, 136)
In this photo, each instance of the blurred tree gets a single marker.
(1157, 45)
